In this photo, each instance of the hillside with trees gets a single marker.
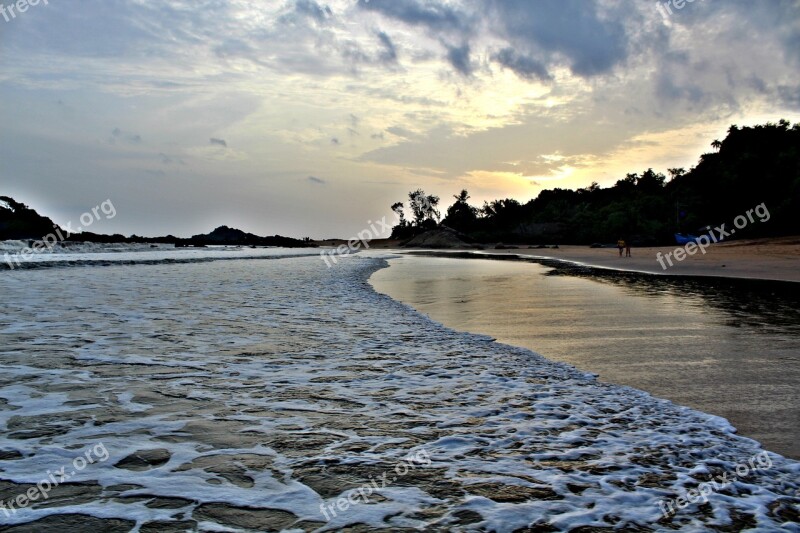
(752, 165)
(20, 222)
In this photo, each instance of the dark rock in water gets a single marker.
(245, 518)
(512, 493)
(72, 523)
(59, 496)
(168, 527)
(10, 455)
(145, 460)
(123, 487)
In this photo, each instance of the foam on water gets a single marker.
(271, 388)
(97, 254)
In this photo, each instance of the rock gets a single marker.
(169, 527)
(145, 460)
(10, 455)
(512, 493)
(244, 517)
(72, 523)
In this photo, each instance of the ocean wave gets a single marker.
(258, 395)
(109, 255)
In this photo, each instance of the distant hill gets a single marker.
(19, 222)
(224, 235)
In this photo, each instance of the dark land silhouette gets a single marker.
(751, 166)
(19, 222)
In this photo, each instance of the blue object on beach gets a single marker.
(685, 238)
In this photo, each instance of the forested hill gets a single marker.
(751, 166)
(19, 222)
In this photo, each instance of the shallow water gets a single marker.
(716, 346)
(252, 395)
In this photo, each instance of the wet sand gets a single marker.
(730, 348)
(772, 260)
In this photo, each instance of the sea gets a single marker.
(227, 390)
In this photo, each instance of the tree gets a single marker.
(399, 210)
(716, 144)
(675, 173)
(461, 216)
(423, 207)
(650, 181)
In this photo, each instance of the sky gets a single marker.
(310, 118)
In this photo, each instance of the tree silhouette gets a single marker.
(399, 210)
(675, 173)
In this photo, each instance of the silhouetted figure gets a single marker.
(620, 245)
(628, 248)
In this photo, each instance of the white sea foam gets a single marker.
(281, 385)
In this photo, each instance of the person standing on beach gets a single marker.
(628, 248)
(620, 245)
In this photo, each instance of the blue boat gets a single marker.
(685, 238)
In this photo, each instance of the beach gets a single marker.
(275, 393)
(769, 259)
(772, 259)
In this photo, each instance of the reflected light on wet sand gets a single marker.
(706, 351)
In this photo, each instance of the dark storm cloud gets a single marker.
(459, 58)
(219, 142)
(524, 66)
(552, 29)
(537, 34)
(432, 15)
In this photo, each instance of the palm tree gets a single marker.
(676, 172)
(716, 144)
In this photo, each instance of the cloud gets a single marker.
(524, 66)
(218, 142)
(432, 15)
(459, 58)
(128, 137)
(389, 54)
(300, 12)
(400, 132)
(317, 181)
(568, 29)
(579, 78)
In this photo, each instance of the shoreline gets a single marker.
(744, 260)
(688, 343)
